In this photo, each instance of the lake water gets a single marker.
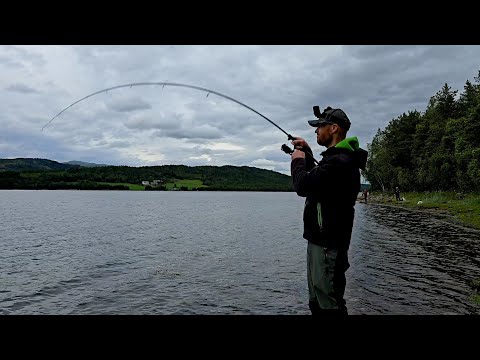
(136, 252)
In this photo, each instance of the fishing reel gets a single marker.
(286, 149)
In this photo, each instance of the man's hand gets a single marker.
(298, 154)
(299, 142)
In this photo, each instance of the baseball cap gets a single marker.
(332, 116)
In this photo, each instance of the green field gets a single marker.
(131, 186)
(170, 185)
(188, 183)
(466, 210)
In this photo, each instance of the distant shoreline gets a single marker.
(278, 191)
(46, 174)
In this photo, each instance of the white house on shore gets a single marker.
(154, 182)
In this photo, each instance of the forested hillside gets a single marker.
(434, 150)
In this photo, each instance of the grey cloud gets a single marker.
(21, 56)
(149, 123)
(21, 88)
(202, 150)
(119, 144)
(381, 51)
(201, 132)
(11, 63)
(129, 105)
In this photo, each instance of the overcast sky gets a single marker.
(151, 125)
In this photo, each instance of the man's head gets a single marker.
(332, 126)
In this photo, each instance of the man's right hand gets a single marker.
(300, 143)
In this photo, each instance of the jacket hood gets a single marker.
(350, 143)
(359, 154)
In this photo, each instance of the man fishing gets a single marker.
(331, 189)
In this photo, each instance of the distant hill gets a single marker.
(48, 174)
(27, 164)
(83, 163)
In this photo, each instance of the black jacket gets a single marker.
(331, 190)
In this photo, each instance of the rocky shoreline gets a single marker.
(390, 201)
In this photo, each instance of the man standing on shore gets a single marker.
(397, 193)
(365, 195)
(331, 189)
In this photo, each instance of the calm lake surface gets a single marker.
(137, 252)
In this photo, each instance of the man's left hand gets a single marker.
(298, 154)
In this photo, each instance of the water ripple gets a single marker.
(109, 252)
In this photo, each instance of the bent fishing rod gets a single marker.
(284, 147)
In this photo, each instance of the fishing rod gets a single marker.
(284, 147)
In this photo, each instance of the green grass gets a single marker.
(135, 187)
(476, 298)
(188, 183)
(170, 185)
(466, 210)
(475, 285)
